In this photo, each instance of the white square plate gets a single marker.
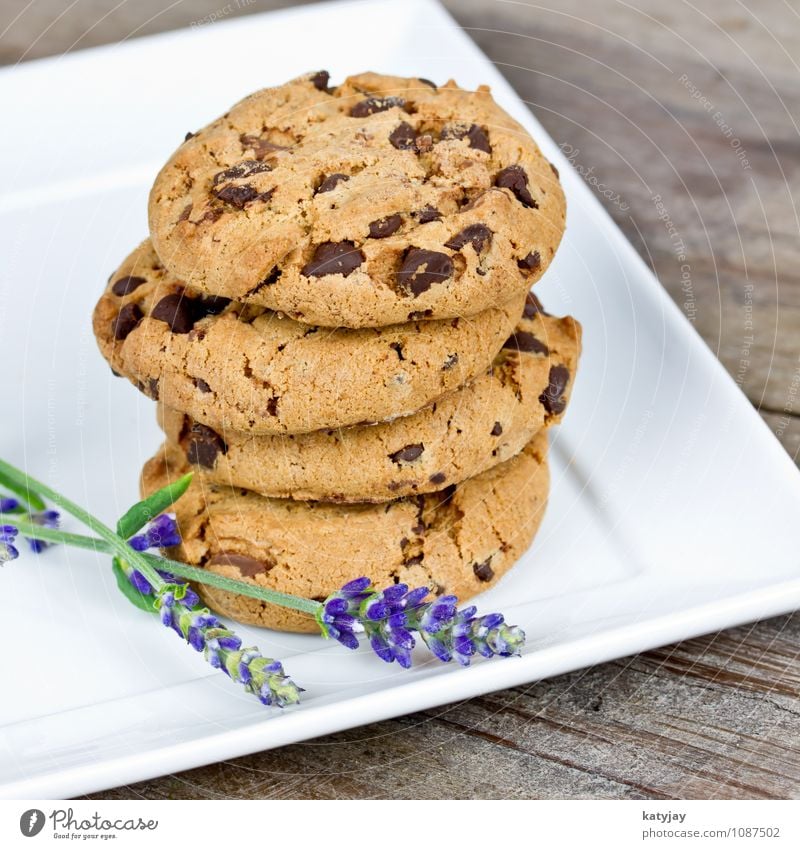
(672, 506)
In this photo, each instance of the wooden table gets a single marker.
(693, 103)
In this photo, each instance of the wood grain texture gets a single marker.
(613, 82)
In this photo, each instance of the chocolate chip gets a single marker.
(527, 342)
(515, 179)
(125, 322)
(204, 446)
(533, 306)
(176, 311)
(408, 453)
(208, 305)
(260, 146)
(422, 268)
(330, 182)
(245, 168)
(439, 477)
(403, 136)
(320, 80)
(428, 82)
(272, 406)
(427, 214)
(451, 360)
(201, 384)
(187, 211)
(248, 566)
(531, 262)
(553, 169)
(483, 571)
(126, 285)
(397, 347)
(476, 234)
(333, 258)
(240, 196)
(188, 136)
(152, 385)
(552, 399)
(497, 429)
(383, 227)
(475, 135)
(375, 104)
(414, 561)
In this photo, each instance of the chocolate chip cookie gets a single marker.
(459, 436)
(379, 201)
(245, 368)
(460, 540)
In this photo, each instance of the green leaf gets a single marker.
(144, 511)
(134, 596)
(31, 498)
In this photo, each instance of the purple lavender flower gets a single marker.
(162, 532)
(47, 519)
(261, 676)
(389, 619)
(8, 551)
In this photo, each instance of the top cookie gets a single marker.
(380, 201)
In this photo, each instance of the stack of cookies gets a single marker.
(333, 314)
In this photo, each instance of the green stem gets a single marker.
(119, 546)
(191, 573)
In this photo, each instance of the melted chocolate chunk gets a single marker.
(272, 406)
(177, 311)
(188, 136)
(208, 305)
(320, 80)
(451, 360)
(515, 179)
(478, 235)
(240, 196)
(531, 262)
(475, 135)
(375, 104)
(201, 384)
(126, 321)
(497, 429)
(439, 477)
(422, 268)
(408, 453)
(397, 347)
(427, 214)
(384, 227)
(403, 136)
(483, 571)
(126, 285)
(552, 399)
(527, 342)
(248, 566)
(533, 306)
(333, 258)
(204, 446)
(245, 168)
(414, 561)
(330, 182)
(260, 146)
(428, 82)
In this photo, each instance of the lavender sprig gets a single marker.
(43, 518)
(8, 551)
(181, 610)
(389, 619)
